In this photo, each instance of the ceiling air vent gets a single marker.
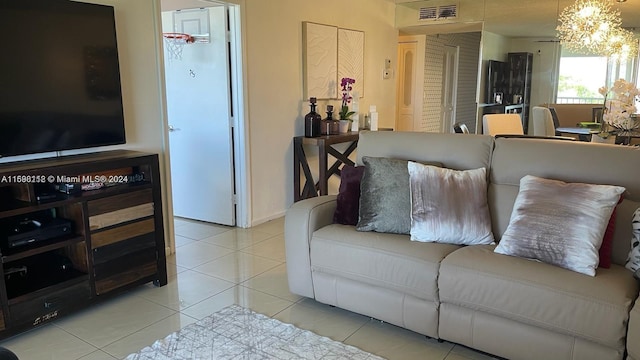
(447, 12)
(439, 12)
(428, 13)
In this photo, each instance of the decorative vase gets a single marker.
(330, 126)
(312, 121)
(597, 138)
(344, 126)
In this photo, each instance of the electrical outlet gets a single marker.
(386, 74)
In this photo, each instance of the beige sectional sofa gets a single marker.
(507, 306)
(633, 336)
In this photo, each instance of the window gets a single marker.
(580, 77)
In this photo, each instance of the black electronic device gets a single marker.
(28, 231)
(61, 85)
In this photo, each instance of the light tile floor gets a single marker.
(216, 266)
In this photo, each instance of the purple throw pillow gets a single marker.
(348, 201)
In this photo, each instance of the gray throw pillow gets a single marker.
(385, 205)
(560, 223)
(449, 206)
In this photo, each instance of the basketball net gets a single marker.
(175, 42)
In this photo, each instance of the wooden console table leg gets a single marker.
(300, 161)
(323, 181)
(297, 144)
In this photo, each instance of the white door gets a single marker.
(449, 87)
(410, 83)
(200, 132)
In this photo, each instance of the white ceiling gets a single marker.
(526, 18)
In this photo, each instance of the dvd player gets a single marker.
(31, 231)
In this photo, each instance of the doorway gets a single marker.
(449, 87)
(203, 86)
(410, 83)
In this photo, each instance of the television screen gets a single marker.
(59, 77)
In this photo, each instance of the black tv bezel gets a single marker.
(77, 6)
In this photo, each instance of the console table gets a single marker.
(325, 148)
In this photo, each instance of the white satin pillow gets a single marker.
(560, 223)
(449, 206)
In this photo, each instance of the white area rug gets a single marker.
(238, 333)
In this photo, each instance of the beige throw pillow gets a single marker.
(560, 223)
(449, 206)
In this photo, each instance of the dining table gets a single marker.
(584, 133)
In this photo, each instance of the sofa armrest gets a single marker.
(633, 335)
(301, 220)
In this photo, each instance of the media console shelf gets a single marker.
(61, 252)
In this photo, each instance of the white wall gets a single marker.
(276, 108)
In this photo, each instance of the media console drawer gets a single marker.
(114, 210)
(124, 254)
(121, 233)
(50, 306)
(126, 277)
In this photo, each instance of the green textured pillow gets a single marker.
(385, 200)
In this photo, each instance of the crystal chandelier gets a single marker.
(620, 45)
(587, 25)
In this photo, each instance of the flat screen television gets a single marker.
(59, 77)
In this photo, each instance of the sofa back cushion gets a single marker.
(568, 161)
(454, 151)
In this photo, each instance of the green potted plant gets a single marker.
(345, 113)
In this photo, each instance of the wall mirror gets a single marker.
(505, 26)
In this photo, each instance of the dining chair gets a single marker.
(502, 124)
(596, 114)
(556, 120)
(542, 122)
(460, 128)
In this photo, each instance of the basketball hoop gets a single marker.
(175, 43)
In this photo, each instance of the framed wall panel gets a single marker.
(320, 60)
(351, 58)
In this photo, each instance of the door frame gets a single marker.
(418, 84)
(241, 160)
(448, 128)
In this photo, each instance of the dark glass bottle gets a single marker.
(329, 125)
(312, 121)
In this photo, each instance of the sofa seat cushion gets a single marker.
(633, 345)
(389, 261)
(539, 294)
